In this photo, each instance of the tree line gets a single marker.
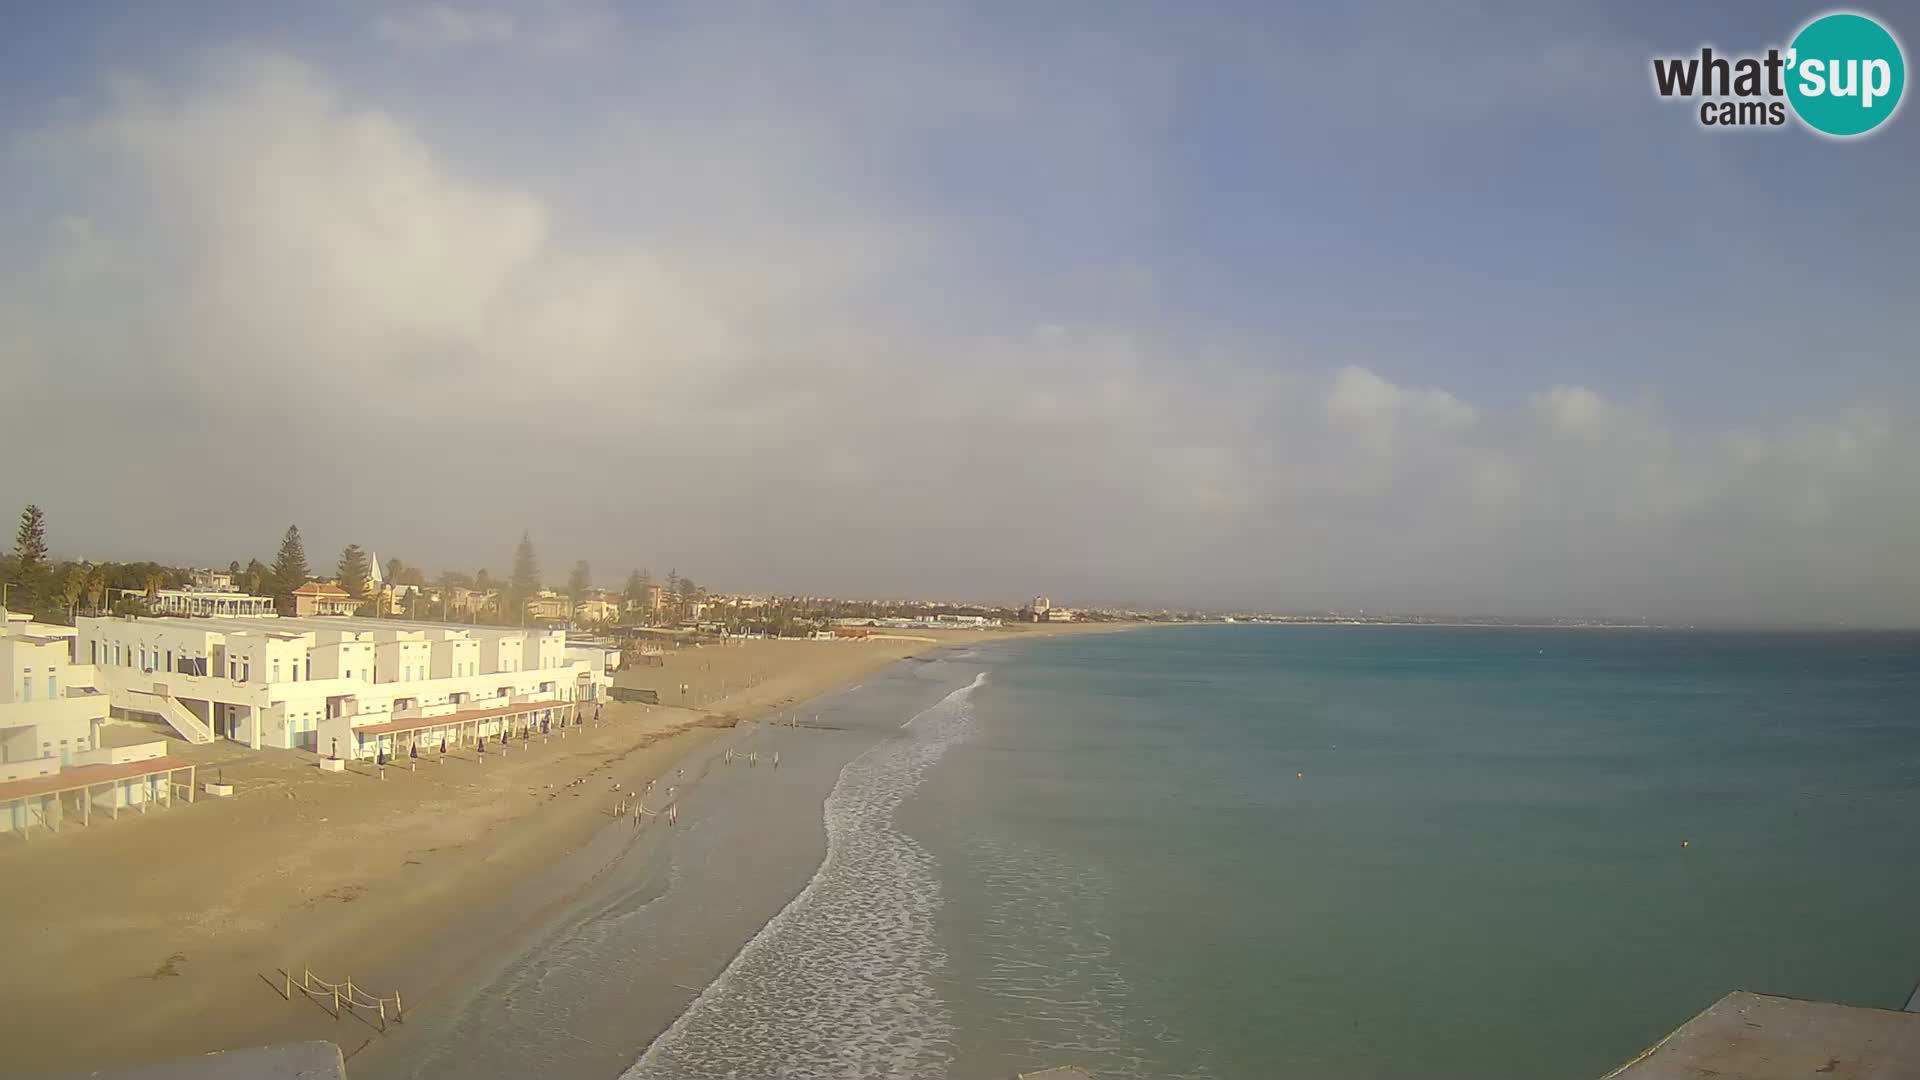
(55, 590)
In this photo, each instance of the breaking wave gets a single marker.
(840, 982)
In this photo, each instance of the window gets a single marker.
(276, 670)
(53, 685)
(26, 688)
(169, 659)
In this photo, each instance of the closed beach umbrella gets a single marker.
(413, 750)
(443, 742)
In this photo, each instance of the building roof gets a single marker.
(325, 590)
(416, 723)
(87, 776)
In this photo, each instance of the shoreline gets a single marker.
(179, 928)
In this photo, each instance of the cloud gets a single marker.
(261, 299)
(443, 26)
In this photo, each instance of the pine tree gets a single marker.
(356, 573)
(290, 570)
(579, 582)
(30, 572)
(671, 594)
(30, 542)
(526, 572)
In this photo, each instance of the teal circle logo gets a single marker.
(1845, 74)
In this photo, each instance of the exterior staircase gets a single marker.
(166, 707)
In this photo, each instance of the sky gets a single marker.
(1369, 306)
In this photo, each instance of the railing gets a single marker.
(166, 707)
(342, 994)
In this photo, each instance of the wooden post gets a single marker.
(398, 1016)
(86, 807)
(336, 1003)
(289, 991)
(192, 773)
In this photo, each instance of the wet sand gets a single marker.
(167, 933)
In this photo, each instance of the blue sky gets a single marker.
(1254, 291)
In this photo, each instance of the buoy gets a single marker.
(1299, 776)
(1684, 843)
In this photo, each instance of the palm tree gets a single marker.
(72, 586)
(96, 588)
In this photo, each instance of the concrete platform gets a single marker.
(1755, 1037)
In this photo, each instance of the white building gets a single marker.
(965, 620)
(200, 603)
(52, 763)
(597, 609)
(210, 580)
(334, 684)
(49, 709)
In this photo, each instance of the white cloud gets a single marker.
(441, 26)
(262, 285)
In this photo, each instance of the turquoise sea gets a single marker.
(1433, 852)
(1253, 851)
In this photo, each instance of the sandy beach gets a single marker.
(168, 933)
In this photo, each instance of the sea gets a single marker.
(1341, 852)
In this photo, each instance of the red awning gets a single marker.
(88, 776)
(418, 723)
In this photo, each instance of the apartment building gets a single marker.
(313, 683)
(53, 762)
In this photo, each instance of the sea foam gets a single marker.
(841, 981)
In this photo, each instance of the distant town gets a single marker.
(362, 584)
